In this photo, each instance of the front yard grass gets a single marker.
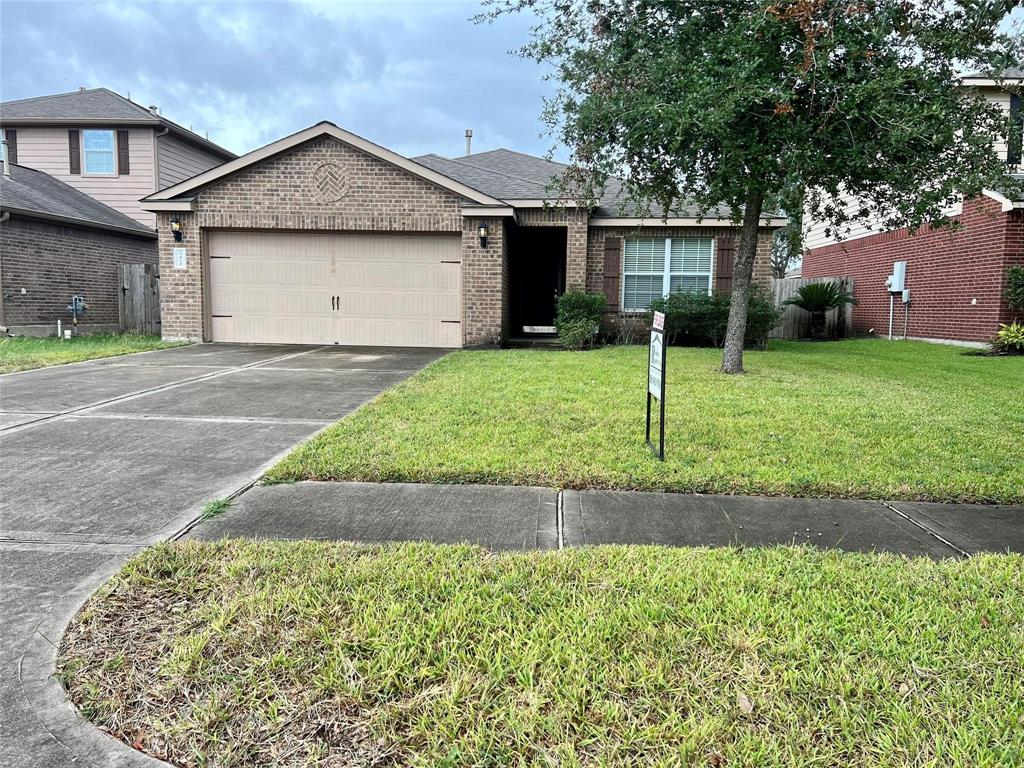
(242, 653)
(24, 352)
(859, 418)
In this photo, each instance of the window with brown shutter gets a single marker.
(612, 270)
(725, 262)
(122, 152)
(12, 144)
(74, 152)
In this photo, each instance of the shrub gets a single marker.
(579, 315)
(819, 299)
(576, 334)
(1009, 340)
(1014, 293)
(700, 319)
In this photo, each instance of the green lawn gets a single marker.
(22, 353)
(860, 418)
(244, 653)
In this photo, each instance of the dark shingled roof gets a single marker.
(1010, 73)
(510, 175)
(30, 192)
(94, 104)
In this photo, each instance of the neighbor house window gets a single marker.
(653, 267)
(98, 152)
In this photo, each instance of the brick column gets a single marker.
(181, 290)
(484, 284)
(576, 251)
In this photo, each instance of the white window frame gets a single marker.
(85, 162)
(667, 274)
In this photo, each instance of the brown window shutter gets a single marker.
(725, 261)
(122, 152)
(12, 144)
(612, 270)
(74, 152)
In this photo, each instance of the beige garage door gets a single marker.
(292, 288)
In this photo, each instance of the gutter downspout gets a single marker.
(7, 164)
(3, 217)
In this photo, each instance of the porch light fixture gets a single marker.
(483, 235)
(176, 229)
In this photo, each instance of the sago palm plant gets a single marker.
(820, 299)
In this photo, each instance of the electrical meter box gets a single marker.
(896, 282)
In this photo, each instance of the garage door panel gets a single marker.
(279, 288)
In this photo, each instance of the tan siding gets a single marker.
(178, 161)
(46, 149)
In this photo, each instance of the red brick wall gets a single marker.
(53, 262)
(955, 277)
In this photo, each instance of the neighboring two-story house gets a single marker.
(956, 278)
(106, 146)
(76, 166)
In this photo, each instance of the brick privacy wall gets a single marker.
(575, 222)
(595, 249)
(280, 194)
(53, 262)
(946, 271)
(484, 283)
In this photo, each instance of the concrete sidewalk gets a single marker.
(506, 518)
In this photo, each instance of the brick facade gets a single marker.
(53, 262)
(281, 194)
(956, 277)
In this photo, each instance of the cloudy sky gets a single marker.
(410, 75)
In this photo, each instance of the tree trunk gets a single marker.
(743, 272)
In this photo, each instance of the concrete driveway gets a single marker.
(101, 458)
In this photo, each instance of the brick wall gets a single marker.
(484, 283)
(575, 222)
(597, 235)
(53, 262)
(282, 193)
(955, 277)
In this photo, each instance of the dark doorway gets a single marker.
(536, 257)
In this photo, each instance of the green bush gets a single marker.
(697, 319)
(1014, 293)
(1009, 340)
(576, 334)
(579, 315)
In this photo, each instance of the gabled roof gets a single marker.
(96, 105)
(173, 197)
(35, 194)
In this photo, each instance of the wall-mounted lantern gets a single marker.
(176, 229)
(483, 235)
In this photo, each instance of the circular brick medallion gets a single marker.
(329, 183)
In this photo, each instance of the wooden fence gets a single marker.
(796, 323)
(138, 301)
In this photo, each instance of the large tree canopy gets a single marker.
(732, 102)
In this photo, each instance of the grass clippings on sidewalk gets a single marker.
(24, 352)
(861, 419)
(243, 653)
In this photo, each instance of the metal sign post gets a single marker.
(656, 383)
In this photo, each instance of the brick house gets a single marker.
(956, 277)
(57, 242)
(323, 237)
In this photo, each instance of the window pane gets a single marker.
(690, 284)
(640, 290)
(98, 156)
(691, 254)
(644, 254)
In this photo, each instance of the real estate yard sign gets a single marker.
(656, 383)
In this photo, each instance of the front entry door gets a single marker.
(537, 266)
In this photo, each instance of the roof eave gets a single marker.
(85, 223)
(1005, 203)
(79, 121)
(323, 128)
(772, 222)
(168, 206)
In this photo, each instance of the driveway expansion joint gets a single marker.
(927, 529)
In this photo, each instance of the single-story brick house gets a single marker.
(57, 242)
(323, 237)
